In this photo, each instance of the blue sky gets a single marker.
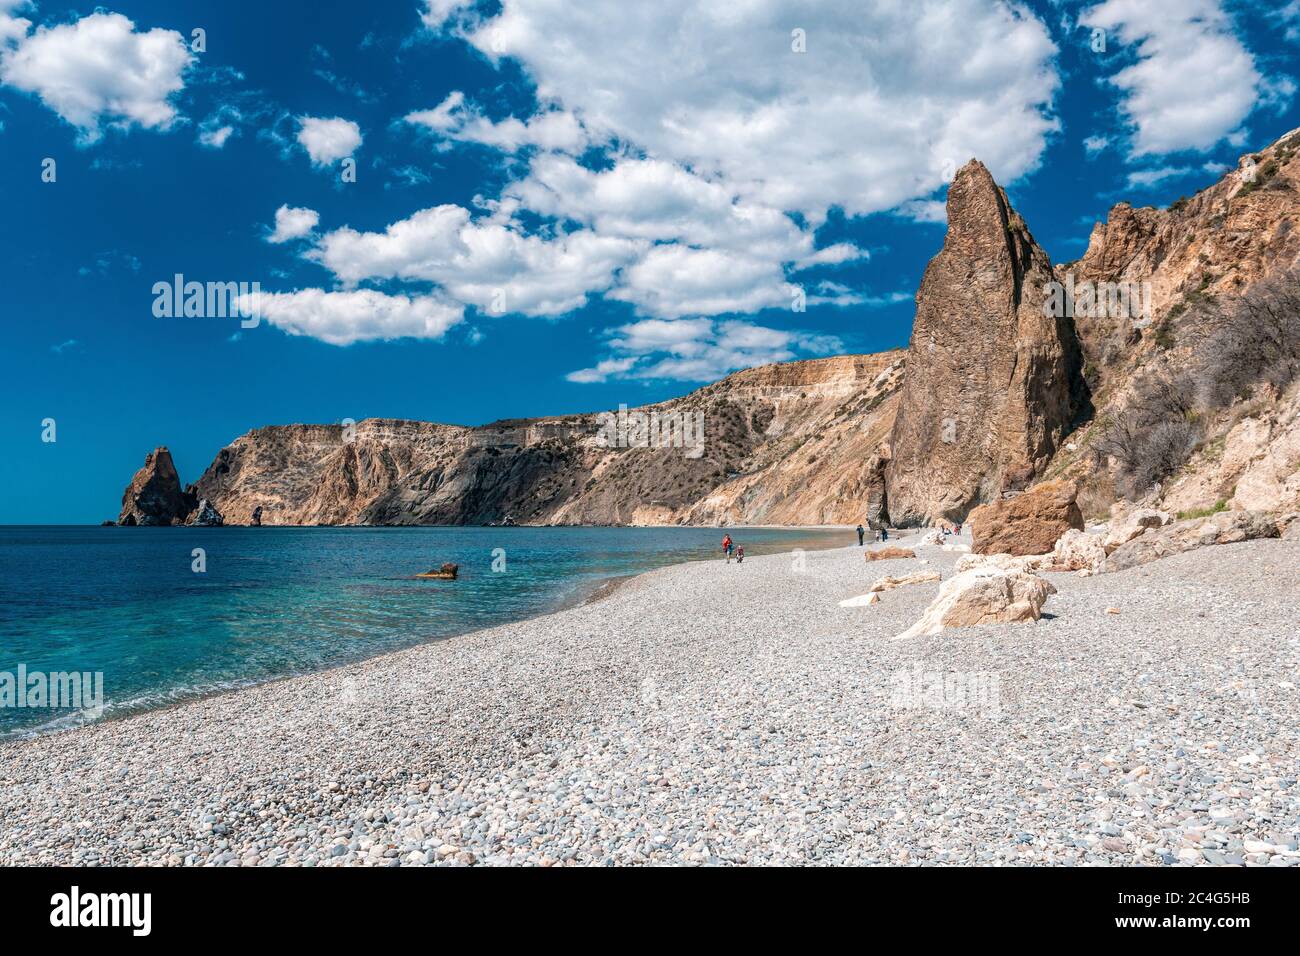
(557, 207)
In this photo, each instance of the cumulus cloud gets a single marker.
(293, 222)
(699, 349)
(724, 152)
(602, 371)
(328, 140)
(674, 280)
(870, 116)
(359, 315)
(484, 262)
(660, 201)
(455, 119)
(96, 70)
(1193, 82)
(12, 28)
(1149, 178)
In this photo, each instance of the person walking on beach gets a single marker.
(740, 555)
(861, 534)
(727, 546)
(884, 533)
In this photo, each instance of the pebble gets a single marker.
(711, 714)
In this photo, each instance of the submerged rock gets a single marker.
(447, 572)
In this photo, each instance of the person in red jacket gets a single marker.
(727, 546)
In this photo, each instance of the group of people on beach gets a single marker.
(881, 535)
(729, 549)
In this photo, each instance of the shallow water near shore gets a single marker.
(279, 601)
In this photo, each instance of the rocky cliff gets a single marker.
(993, 381)
(1163, 367)
(1197, 381)
(781, 444)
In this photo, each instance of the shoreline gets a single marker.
(584, 594)
(713, 713)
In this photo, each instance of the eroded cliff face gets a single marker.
(993, 382)
(996, 391)
(789, 443)
(1204, 253)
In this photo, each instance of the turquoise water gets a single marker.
(276, 601)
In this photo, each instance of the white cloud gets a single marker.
(454, 119)
(485, 262)
(869, 117)
(715, 253)
(673, 281)
(1147, 178)
(925, 210)
(97, 70)
(1193, 82)
(724, 149)
(601, 371)
(215, 137)
(328, 140)
(342, 318)
(437, 12)
(1096, 144)
(660, 201)
(699, 350)
(12, 28)
(648, 232)
(293, 222)
(1289, 17)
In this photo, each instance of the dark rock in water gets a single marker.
(447, 572)
(154, 496)
(206, 516)
(256, 519)
(108, 524)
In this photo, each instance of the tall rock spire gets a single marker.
(992, 383)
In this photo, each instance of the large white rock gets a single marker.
(1003, 562)
(985, 595)
(1078, 550)
(889, 582)
(862, 600)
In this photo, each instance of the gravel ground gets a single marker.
(715, 713)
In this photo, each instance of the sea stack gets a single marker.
(154, 496)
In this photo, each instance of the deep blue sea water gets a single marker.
(276, 601)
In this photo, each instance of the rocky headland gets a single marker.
(1162, 369)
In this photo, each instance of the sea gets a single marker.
(165, 614)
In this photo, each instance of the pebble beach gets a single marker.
(715, 713)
